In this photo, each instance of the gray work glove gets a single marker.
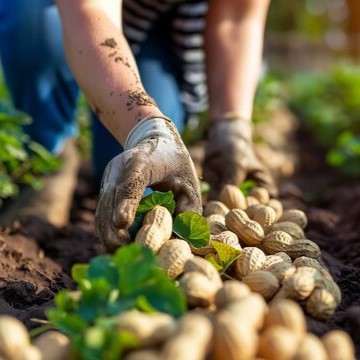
(230, 158)
(156, 157)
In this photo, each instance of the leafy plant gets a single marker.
(329, 105)
(193, 228)
(109, 285)
(22, 160)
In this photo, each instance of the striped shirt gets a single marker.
(186, 20)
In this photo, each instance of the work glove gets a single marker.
(154, 156)
(230, 158)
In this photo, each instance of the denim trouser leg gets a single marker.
(35, 69)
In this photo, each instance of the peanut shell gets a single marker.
(173, 255)
(233, 339)
(249, 231)
(160, 216)
(277, 206)
(311, 348)
(203, 266)
(198, 288)
(251, 259)
(215, 207)
(261, 194)
(289, 314)
(291, 228)
(296, 216)
(232, 197)
(276, 241)
(262, 282)
(339, 345)
(231, 291)
(151, 236)
(277, 343)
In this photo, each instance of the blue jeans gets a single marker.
(42, 85)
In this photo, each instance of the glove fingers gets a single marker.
(104, 228)
(128, 195)
(187, 196)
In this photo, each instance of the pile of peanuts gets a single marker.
(253, 311)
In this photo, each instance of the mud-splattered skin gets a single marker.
(158, 160)
(136, 97)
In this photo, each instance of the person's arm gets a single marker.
(234, 44)
(154, 156)
(233, 48)
(103, 64)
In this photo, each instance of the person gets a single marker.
(145, 66)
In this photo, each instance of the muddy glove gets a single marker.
(156, 157)
(230, 157)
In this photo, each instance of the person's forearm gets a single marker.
(103, 64)
(233, 45)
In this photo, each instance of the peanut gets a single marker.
(160, 217)
(277, 343)
(198, 288)
(231, 291)
(291, 228)
(289, 314)
(233, 339)
(321, 304)
(191, 340)
(339, 345)
(227, 237)
(53, 345)
(249, 231)
(277, 206)
(217, 223)
(261, 194)
(296, 216)
(303, 247)
(13, 335)
(276, 241)
(203, 266)
(251, 259)
(265, 216)
(148, 329)
(311, 348)
(173, 255)
(262, 282)
(251, 200)
(281, 270)
(300, 285)
(232, 197)
(215, 207)
(250, 309)
(152, 237)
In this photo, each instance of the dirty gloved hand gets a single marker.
(156, 157)
(230, 158)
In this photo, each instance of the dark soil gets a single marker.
(36, 258)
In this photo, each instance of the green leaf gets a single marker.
(143, 304)
(226, 255)
(156, 198)
(193, 228)
(247, 186)
(104, 267)
(214, 260)
(71, 324)
(79, 272)
(134, 263)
